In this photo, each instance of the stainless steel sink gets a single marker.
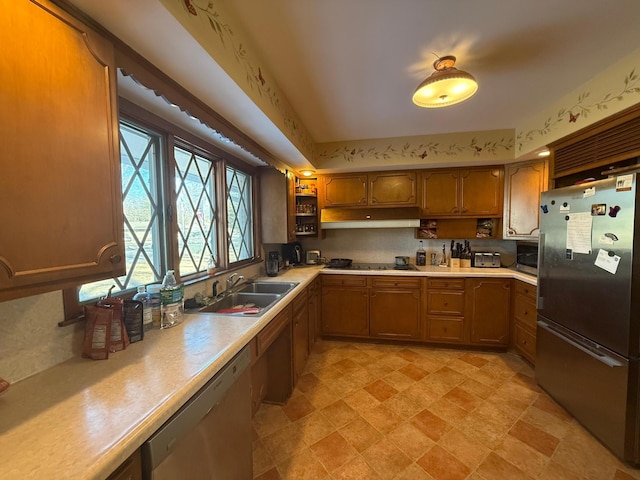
(268, 287)
(243, 303)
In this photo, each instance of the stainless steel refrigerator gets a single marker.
(589, 308)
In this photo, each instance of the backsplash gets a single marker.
(382, 245)
(31, 341)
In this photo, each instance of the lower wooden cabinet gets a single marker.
(394, 304)
(488, 310)
(445, 310)
(300, 335)
(345, 305)
(524, 320)
(271, 362)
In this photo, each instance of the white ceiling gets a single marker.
(349, 67)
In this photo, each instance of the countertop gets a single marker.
(82, 418)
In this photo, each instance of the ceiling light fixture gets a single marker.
(544, 153)
(446, 86)
(307, 173)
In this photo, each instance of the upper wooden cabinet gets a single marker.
(278, 203)
(523, 184)
(467, 192)
(60, 187)
(392, 189)
(380, 189)
(343, 190)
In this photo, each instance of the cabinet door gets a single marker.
(523, 184)
(395, 313)
(345, 311)
(393, 189)
(344, 190)
(278, 203)
(300, 322)
(488, 310)
(481, 192)
(60, 187)
(439, 193)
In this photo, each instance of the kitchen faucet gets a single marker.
(232, 281)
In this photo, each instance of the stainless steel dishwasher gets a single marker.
(210, 436)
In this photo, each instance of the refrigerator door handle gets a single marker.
(540, 295)
(606, 359)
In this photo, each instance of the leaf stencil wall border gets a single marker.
(581, 109)
(420, 149)
(254, 78)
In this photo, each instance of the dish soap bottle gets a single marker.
(421, 256)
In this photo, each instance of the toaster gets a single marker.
(486, 260)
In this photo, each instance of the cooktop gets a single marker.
(375, 266)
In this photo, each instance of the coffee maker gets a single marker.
(293, 253)
(271, 265)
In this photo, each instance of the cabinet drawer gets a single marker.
(526, 290)
(269, 333)
(524, 310)
(525, 342)
(446, 283)
(395, 281)
(445, 329)
(345, 280)
(445, 303)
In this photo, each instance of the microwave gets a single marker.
(527, 257)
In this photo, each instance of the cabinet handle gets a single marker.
(524, 342)
(446, 304)
(115, 258)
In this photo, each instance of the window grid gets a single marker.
(239, 215)
(196, 211)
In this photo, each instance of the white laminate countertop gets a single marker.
(81, 419)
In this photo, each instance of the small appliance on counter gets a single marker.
(486, 260)
(271, 265)
(292, 252)
(313, 257)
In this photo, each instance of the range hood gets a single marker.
(363, 217)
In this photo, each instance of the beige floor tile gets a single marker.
(446, 414)
(411, 440)
(360, 434)
(522, 456)
(333, 451)
(381, 390)
(314, 427)
(268, 419)
(382, 419)
(285, 442)
(430, 424)
(361, 400)
(339, 413)
(356, 469)
(302, 466)
(441, 465)
(495, 467)
(386, 459)
(465, 449)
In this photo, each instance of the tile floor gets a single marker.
(365, 411)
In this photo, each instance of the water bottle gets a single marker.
(154, 304)
(147, 315)
(169, 279)
(171, 301)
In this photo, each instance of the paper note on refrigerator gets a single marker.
(579, 232)
(607, 262)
